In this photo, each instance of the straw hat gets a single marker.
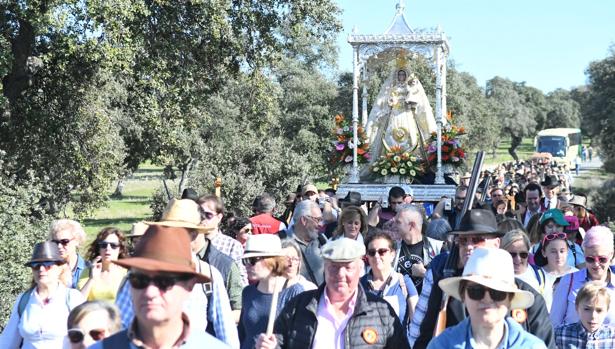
(164, 249)
(492, 268)
(138, 229)
(45, 252)
(578, 200)
(263, 245)
(183, 213)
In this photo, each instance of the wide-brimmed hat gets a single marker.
(556, 215)
(343, 250)
(183, 213)
(578, 200)
(492, 268)
(46, 251)
(164, 249)
(263, 245)
(138, 229)
(478, 221)
(352, 198)
(550, 181)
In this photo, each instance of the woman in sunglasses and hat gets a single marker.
(488, 290)
(38, 319)
(265, 263)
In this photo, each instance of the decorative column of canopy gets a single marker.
(430, 43)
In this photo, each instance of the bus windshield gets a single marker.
(555, 145)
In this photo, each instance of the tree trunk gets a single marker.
(19, 78)
(119, 188)
(184, 177)
(515, 141)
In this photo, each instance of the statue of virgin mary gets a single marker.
(401, 116)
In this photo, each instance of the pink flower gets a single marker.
(348, 158)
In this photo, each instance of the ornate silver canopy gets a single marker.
(432, 44)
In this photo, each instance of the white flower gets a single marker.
(412, 173)
(394, 169)
(384, 172)
(402, 171)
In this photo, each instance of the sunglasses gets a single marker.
(162, 282)
(104, 244)
(477, 293)
(597, 259)
(37, 265)
(522, 255)
(62, 242)
(380, 251)
(251, 261)
(76, 335)
(554, 236)
(474, 240)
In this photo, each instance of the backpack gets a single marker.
(25, 297)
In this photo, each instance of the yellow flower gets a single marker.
(413, 158)
(394, 169)
(384, 172)
(396, 158)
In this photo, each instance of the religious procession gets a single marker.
(412, 244)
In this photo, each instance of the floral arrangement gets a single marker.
(397, 162)
(452, 150)
(341, 154)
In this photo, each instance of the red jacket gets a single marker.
(264, 223)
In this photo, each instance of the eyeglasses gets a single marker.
(477, 293)
(315, 219)
(293, 259)
(104, 244)
(252, 260)
(554, 236)
(37, 265)
(522, 255)
(597, 259)
(163, 282)
(380, 251)
(62, 242)
(75, 335)
(474, 240)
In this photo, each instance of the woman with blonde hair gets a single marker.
(103, 279)
(38, 318)
(91, 322)
(294, 257)
(69, 235)
(517, 243)
(265, 263)
(352, 224)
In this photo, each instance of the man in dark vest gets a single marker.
(478, 228)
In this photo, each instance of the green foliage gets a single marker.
(22, 224)
(564, 111)
(599, 105)
(604, 201)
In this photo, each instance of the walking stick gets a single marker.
(274, 307)
(451, 262)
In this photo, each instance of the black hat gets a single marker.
(352, 198)
(478, 221)
(45, 252)
(550, 181)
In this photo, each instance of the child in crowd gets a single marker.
(592, 305)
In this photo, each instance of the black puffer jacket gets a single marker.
(295, 327)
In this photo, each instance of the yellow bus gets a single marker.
(564, 144)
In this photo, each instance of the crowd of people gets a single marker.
(527, 266)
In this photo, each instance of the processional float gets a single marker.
(399, 43)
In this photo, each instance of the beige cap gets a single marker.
(309, 187)
(343, 250)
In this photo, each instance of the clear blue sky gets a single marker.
(546, 43)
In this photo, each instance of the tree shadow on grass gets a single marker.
(111, 222)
